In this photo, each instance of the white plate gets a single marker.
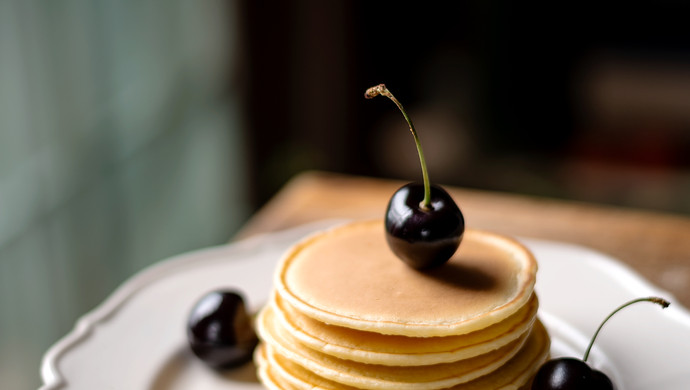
(136, 338)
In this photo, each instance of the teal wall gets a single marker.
(120, 145)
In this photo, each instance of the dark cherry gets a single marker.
(423, 238)
(569, 373)
(424, 226)
(600, 381)
(220, 331)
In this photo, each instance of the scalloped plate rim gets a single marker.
(85, 325)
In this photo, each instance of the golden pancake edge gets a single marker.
(346, 313)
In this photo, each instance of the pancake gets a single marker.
(348, 276)
(374, 348)
(381, 377)
(515, 374)
(346, 313)
(267, 374)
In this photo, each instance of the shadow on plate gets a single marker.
(183, 367)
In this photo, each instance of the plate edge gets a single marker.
(51, 376)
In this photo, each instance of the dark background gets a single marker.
(575, 100)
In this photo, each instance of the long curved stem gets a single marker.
(659, 301)
(382, 90)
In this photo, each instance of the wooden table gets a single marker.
(655, 245)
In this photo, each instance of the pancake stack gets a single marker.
(346, 313)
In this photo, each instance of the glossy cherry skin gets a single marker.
(570, 374)
(423, 238)
(220, 331)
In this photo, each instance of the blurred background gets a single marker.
(131, 131)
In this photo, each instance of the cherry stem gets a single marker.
(659, 301)
(382, 90)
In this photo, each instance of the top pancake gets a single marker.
(348, 276)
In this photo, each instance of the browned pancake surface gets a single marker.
(349, 277)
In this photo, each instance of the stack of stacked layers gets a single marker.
(346, 314)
